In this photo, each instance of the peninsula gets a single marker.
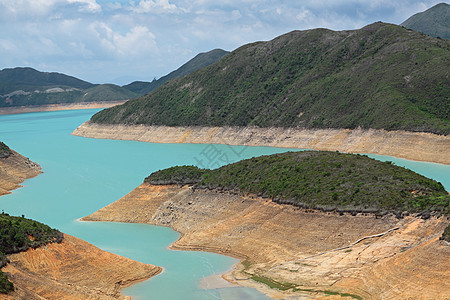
(39, 262)
(349, 226)
(381, 89)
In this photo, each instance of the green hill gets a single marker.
(380, 76)
(17, 234)
(27, 86)
(329, 181)
(199, 61)
(434, 21)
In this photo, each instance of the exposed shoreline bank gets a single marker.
(57, 107)
(417, 146)
(278, 242)
(14, 169)
(72, 269)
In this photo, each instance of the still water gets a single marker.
(83, 175)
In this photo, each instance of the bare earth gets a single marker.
(14, 170)
(74, 270)
(280, 241)
(410, 145)
(55, 107)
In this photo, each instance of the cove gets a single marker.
(82, 175)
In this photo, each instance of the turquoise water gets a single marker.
(83, 175)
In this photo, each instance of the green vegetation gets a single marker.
(272, 283)
(284, 286)
(434, 21)
(4, 150)
(18, 234)
(328, 181)
(382, 76)
(199, 61)
(26, 86)
(177, 175)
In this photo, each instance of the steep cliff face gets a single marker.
(280, 243)
(73, 269)
(14, 169)
(403, 144)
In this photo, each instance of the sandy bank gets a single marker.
(55, 107)
(277, 241)
(73, 269)
(410, 145)
(14, 170)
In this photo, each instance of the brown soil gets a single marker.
(55, 107)
(277, 241)
(14, 170)
(73, 269)
(410, 145)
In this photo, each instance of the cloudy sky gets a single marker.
(119, 41)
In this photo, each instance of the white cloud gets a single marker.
(111, 38)
(157, 6)
(87, 5)
(27, 7)
(138, 41)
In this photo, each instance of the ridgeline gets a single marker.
(201, 60)
(329, 181)
(17, 234)
(435, 21)
(27, 87)
(382, 76)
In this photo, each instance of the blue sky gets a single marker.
(118, 41)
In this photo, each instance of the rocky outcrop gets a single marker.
(302, 247)
(410, 145)
(14, 169)
(72, 269)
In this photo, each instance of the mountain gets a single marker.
(382, 76)
(27, 86)
(199, 61)
(434, 21)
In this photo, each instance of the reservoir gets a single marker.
(82, 175)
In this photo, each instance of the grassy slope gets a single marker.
(29, 81)
(322, 180)
(381, 76)
(199, 61)
(18, 234)
(434, 21)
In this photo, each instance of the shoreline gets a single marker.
(14, 170)
(418, 146)
(57, 107)
(269, 239)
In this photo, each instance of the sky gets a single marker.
(119, 41)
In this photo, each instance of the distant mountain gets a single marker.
(27, 86)
(434, 21)
(380, 76)
(199, 61)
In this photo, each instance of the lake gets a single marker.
(82, 175)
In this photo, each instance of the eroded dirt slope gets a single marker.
(73, 269)
(280, 241)
(14, 169)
